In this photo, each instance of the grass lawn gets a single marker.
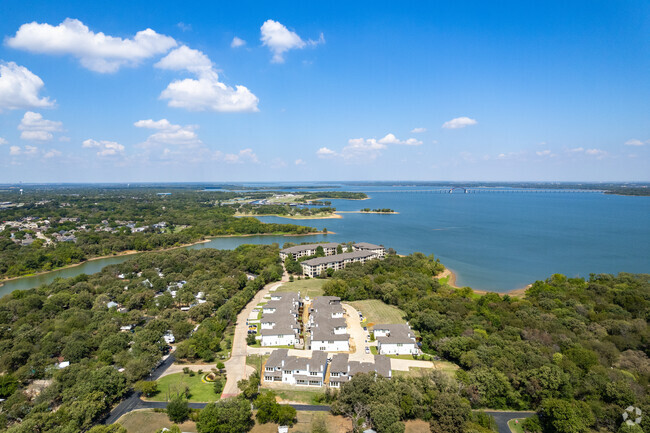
(376, 311)
(200, 392)
(254, 360)
(312, 287)
(305, 396)
(515, 427)
(306, 422)
(150, 422)
(373, 350)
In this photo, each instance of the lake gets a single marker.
(493, 240)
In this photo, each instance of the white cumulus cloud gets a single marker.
(96, 51)
(27, 150)
(206, 92)
(299, 162)
(169, 134)
(418, 130)
(636, 142)
(280, 39)
(53, 153)
(35, 128)
(237, 42)
(391, 139)
(3, 141)
(325, 152)
(104, 148)
(19, 88)
(245, 155)
(459, 122)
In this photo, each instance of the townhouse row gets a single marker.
(281, 324)
(319, 370)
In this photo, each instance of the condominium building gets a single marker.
(294, 370)
(342, 369)
(396, 339)
(365, 246)
(309, 250)
(314, 267)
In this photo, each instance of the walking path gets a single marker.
(236, 368)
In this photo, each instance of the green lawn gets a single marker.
(516, 427)
(373, 350)
(254, 360)
(312, 287)
(300, 395)
(376, 311)
(170, 385)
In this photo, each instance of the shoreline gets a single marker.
(292, 217)
(452, 283)
(358, 211)
(132, 252)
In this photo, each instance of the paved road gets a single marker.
(502, 418)
(357, 336)
(133, 400)
(236, 368)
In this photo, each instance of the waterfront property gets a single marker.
(309, 250)
(295, 370)
(379, 250)
(342, 369)
(395, 339)
(280, 322)
(327, 325)
(315, 267)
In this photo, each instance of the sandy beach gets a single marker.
(451, 282)
(293, 217)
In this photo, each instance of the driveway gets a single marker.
(236, 368)
(357, 336)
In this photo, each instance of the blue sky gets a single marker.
(296, 91)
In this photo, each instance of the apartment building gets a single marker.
(342, 369)
(309, 250)
(295, 370)
(396, 339)
(315, 267)
(365, 246)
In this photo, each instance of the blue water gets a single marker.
(493, 241)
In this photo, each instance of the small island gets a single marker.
(382, 210)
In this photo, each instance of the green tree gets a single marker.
(320, 252)
(285, 415)
(8, 385)
(146, 387)
(561, 416)
(232, 415)
(113, 428)
(178, 410)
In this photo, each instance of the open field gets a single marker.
(200, 392)
(376, 311)
(312, 287)
(417, 426)
(307, 420)
(149, 422)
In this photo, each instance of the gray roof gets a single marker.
(324, 334)
(280, 330)
(300, 248)
(317, 362)
(341, 364)
(338, 258)
(398, 334)
(367, 246)
(275, 360)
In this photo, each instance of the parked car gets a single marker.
(367, 349)
(365, 328)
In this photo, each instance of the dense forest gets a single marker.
(574, 350)
(111, 346)
(188, 217)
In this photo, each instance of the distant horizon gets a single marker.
(343, 182)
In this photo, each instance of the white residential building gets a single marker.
(395, 340)
(365, 246)
(328, 325)
(342, 370)
(309, 250)
(294, 370)
(315, 267)
(280, 324)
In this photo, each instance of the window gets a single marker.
(335, 375)
(399, 344)
(313, 373)
(287, 371)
